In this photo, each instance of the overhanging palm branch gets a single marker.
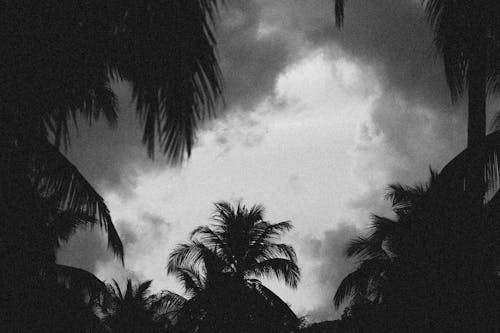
(60, 63)
(71, 196)
(80, 281)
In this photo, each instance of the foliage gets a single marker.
(134, 310)
(218, 268)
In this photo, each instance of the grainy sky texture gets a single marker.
(317, 123)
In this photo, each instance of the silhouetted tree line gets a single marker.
(433, 267)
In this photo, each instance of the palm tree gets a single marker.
(412, 265)
(134, 310)
(37, 292)
(58, 60)
(466, 36)
(219, 268)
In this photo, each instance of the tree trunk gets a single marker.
(474, 183)
(475, 231)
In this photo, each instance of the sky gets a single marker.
(317, 122)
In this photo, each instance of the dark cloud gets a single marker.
(251, 62)
(251, 58)
(258, 39)
(393, 36)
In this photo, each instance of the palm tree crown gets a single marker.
(240, 243)
(135, 310)
(219, 268)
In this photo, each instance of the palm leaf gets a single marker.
(358, 281)
(166, 50)
(166, 305)
(282, 268)
(272, 250)
(80, 280)
(192, 254)
(191, 279)
(142, 289)
(276, 304)
(57, 178)
(339, 12)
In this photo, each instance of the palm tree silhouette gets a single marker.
(134, 310)
(466, 36)
(58, 60)
(219, 268)
(37, 293)
(412, 266)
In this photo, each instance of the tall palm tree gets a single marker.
(135, 310)
(467, 37)
(219, 267)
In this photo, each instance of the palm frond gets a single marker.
(193, 253)
(272, 250)
(191, 279)
(208, 237)
(166, 50)
(116, 290)
(364, 247)
(93, 101)
(276, 304)
(142, 289)
(283, 269)
(451, 22)
(404, 197)
(263, 233)
(58, 178)
(358, 281)
(166, 305)
(339, 12)
(80, 280)
(64, 224)
(372, 246)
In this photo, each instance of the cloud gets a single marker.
(331, 266)
(412, 124)
(251, 58)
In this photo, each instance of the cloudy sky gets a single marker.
(317, 123)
